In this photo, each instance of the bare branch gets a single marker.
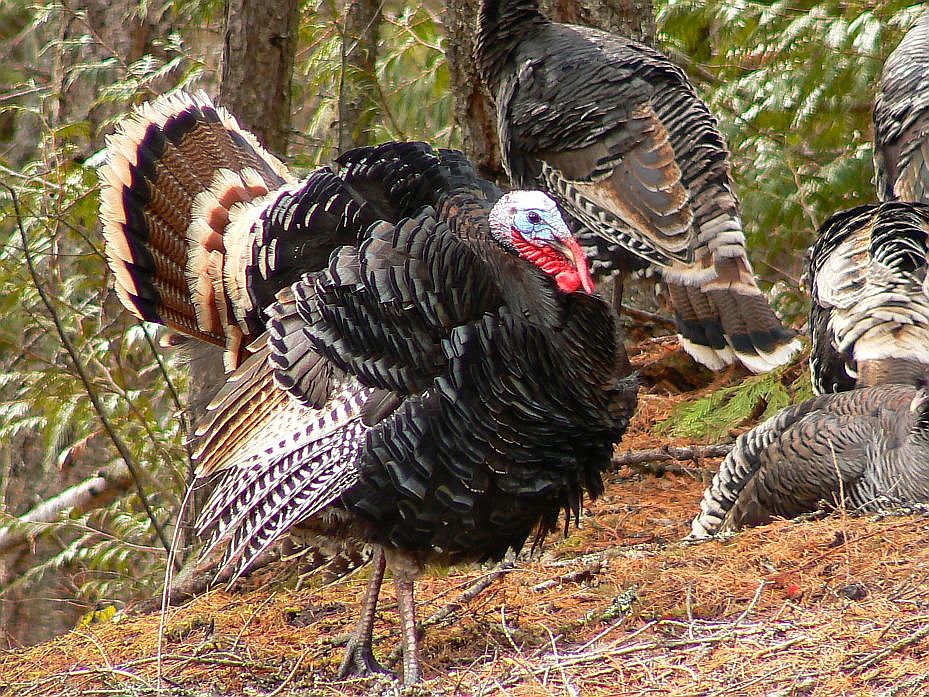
(645, 317)
(95, 492)
(667, 452)
(876, 657)
(360, 32)
(198, 577)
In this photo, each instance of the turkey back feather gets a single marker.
(870, 313)
(618, 135)
(864, 449)
(901, 120)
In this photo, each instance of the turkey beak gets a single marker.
(572, 251)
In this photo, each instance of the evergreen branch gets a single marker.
(184, 416)
(84, 377)
(175, 397)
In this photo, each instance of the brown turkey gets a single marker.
(419, 361)
(869, 317)
(866, 450)
(901, 120)
(617, 134)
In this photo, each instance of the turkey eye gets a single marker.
(534, 217)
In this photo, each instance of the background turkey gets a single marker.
(618, 135)
(866, 449)
(443, 386)
(870, 314)
(901, 120)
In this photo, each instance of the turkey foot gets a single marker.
(359, 660)
(359, 657)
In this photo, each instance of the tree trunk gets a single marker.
(257, 67)
(258, 62)
(632, 18)
(259, 50)
(474, 109)
(357, 110)
(260, 45)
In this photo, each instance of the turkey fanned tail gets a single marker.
(203, 226)
(866, 449)
(619, 136)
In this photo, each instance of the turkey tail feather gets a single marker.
(901, 120)
(869, 318)
(179, 171)
(728, 319)
(912, 183)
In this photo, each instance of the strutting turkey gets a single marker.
(867, 449)
(420, 363)
(901, 120)
(869, 318)
(617, 134)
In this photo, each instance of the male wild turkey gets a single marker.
(901, 120)
(866, 449)
(869, 318)
(420, 364)
(617, 134)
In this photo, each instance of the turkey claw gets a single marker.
(359, 661)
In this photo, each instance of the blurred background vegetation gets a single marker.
(791, 82)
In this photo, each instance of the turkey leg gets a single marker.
(359, 656)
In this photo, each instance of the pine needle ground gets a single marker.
(834, 606)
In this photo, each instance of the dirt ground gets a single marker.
(621, 606)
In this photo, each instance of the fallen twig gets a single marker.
(616, 651)
(878, 656)
(646, 317)
(751, 606)
(290, 676)
(670, 452)
(730, 689)
(577, 576)
(199, 577)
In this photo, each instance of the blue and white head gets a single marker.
(529, 223)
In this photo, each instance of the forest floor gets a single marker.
(620, 606)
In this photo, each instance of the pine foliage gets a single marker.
(63, 87)
(711, 418)
(408, 91)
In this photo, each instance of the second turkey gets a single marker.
(618, 135)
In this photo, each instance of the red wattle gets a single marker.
(570, 277)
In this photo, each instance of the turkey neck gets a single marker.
(529, 291)
(502, 26)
